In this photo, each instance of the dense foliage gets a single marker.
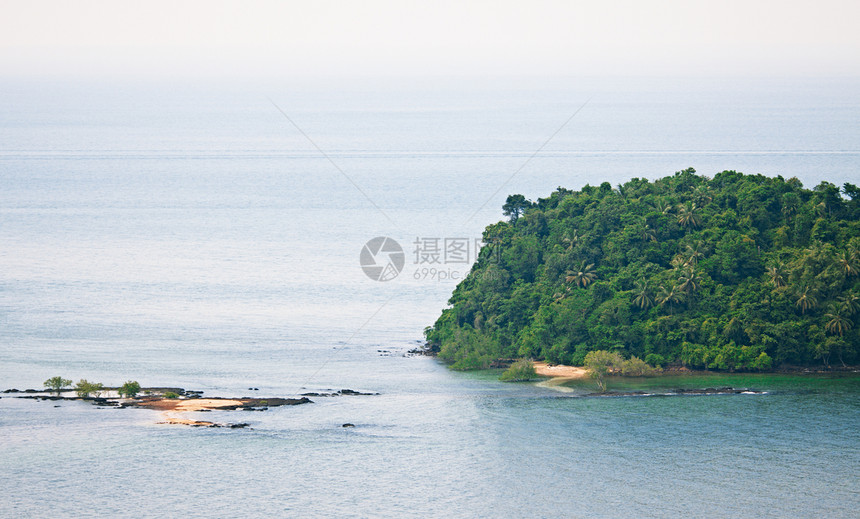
(522, 370)
(56, 384)
(130, 389)
(738, 272)
(85, 389)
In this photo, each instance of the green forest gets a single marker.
(735, 273)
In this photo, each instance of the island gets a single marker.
(731, 273)
(173, 403)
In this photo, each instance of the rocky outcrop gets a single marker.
(342, 392)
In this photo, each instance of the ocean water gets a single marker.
(208, 237)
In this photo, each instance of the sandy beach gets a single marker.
(560, 371)
(173, 407)
(194, 404)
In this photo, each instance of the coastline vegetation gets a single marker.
(522, 370)
(733, 273)
(85, 389)
(57, 384)
(130, 389)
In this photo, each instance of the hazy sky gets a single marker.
(92, 38)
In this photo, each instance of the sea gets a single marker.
(280, 237)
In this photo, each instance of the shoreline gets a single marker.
(173, 409)
(559, 371)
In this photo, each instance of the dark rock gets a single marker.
(103, 402)
(348, 425)
(239, 425)
(11, 391)
(424, 350)
(342, 392)
(31, 391)
(350, 392)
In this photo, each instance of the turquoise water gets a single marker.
(193, 237)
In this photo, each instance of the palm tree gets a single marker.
(668, 298)
(689, 281)
(649, 234)
(583, 276)
(643, 298)
(821, 209)
(806, 300)
(702, 194)
(571, 239)
(662, 206)
(849, 303)
(837, 324)
(734, 330)
(790, 205)
(694, 253)
(776, 273)
(687, 216)
(847, 264)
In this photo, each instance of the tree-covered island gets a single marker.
(738, 272)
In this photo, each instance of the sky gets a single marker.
(97, 38)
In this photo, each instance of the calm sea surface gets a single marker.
(194, 236)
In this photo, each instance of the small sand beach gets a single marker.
(560, 371)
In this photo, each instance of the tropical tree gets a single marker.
(599, 363)
(734, 330)
(678, 261)
(695, 253)
(558, 297)
(582, 277)
(514, 206)
(690, 281)
(849, 303)
(847, 264)
(570, 240)
(130, 389)
(522, 370)
(702, 194)
(56, 384)
(776, 273)
(649, 234)
(84, 388)
(687, 216)
(790, 204)
(643, 299)
(837, 324)
(662, 206)
(667, 298)
(806, 300)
